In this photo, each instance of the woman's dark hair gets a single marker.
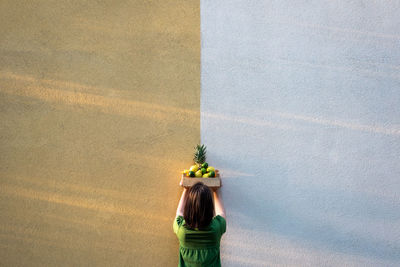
(199, 206)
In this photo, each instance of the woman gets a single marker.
(199, 224)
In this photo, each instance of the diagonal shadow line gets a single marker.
(79, 202)
(86, 191)
(301, 228)
(104, 104)
(391, 37)
(113, 105)
(288, 253)
(296, 117)
(353, 32)
(91, 225)
(368, 72)
(54, 242)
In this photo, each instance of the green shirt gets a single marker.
(199, 247)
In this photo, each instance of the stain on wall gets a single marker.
(99, 111)
(300, 112)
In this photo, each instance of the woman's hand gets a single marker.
(215, 189)
(181, 184)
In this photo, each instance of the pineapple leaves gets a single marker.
(200, 154)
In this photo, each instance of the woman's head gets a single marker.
(199, 206)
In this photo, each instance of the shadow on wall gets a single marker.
(303, 100)
(277, 213)
(82, 173)
(99, 110)
(49, 91)
(318, 195)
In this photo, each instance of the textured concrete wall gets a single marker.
(99, 110)
(300, 112)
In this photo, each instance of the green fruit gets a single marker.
(191, 173)
(199, 173)
(203, 170)
(212, 174)
(204, 165)
(206, 175)
(209, 169)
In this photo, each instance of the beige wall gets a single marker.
(99, 106)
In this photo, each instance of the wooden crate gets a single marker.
(188, 181)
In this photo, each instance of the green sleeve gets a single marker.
(222, 223)
(177, 223)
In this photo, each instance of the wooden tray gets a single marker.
(188, 181)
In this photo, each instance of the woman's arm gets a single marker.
(181, 205)
(218, 205)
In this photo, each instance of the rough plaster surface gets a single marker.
(300, 112)
(99, 110)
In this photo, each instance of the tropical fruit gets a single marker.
(209, 169)
(200, 167)
(194, 168)
(200, 154)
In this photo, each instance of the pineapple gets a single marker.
(200, 155)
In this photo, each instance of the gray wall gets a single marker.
(300, 112)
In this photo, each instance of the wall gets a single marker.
(300, 112)
(99, 111)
